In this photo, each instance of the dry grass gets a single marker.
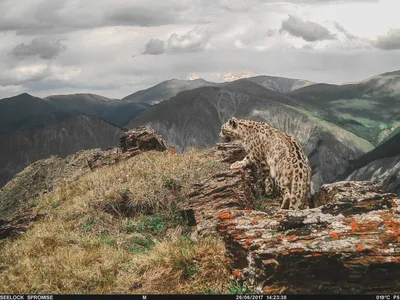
(81, 247)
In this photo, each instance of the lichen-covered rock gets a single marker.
(350, 190)
(227, 190)
(143, 138)
(350, 245)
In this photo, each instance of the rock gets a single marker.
(143, 138)
(349, 245)
(18, 225)
(231, 189)
(229, 152)
(226, 191)
(350, 190)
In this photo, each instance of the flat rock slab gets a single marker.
(350, 245)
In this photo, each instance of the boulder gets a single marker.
(349, 245)
(143, 138)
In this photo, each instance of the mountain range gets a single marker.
(26, 112)
(21, 148)
(193, 119)
(337, 124)
(167, 89)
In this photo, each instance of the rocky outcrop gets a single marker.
(143, 138)
(226, 191)
(348, 243)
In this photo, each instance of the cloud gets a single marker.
(203, 37)
(390, 41)
(143, 16)
(32, 17)
(154, 47)
(193, 40)
(45, 48)
(343, 30)
(39, 74)
(307, 30)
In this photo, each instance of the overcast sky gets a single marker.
(116, 47)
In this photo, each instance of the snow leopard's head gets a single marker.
(231, 130)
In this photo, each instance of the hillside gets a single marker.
(194, 118)
(369, 109)
(114, 111)
(382, 164)
(19, 149)
(87, 242)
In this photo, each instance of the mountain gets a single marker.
(194, 118)
(280, 84)
(166, 90)
(369, 109)
(169, 88)
(114, 111)
(382, 164)
(19, 149)
(25, 112)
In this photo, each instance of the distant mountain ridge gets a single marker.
(166, 90)
(20, 149)
(280, 84)
(169, 88)
(25, 112)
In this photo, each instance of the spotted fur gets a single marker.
(280, 157)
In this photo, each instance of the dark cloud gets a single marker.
(146, 16)
(390, 41)
(154, 47)
(55, 16)
(45, 48)
(307, 30)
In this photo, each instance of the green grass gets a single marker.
(89, 224)
(148, 224)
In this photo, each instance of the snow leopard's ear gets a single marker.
(233, 122)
